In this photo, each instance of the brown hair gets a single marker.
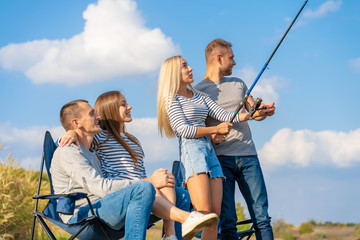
(107, 106)
(215, 46)
(70, 111)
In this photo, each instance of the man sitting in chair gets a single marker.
(118, 203)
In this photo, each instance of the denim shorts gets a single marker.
(198, 155)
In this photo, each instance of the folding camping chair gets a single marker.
(88, 228)
(246, 235)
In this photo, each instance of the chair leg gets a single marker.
(104, 230)
(81, 229)
(33, 228)
(46, 228)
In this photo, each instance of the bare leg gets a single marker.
(164, 209)
(169, 194)
(216, 198)
(207, 200)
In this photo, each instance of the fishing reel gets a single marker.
(255, 107)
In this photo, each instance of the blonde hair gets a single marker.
(169, 84)
(107, 106)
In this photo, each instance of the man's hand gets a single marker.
(68, 138)
(162, 178)
(217, 138)
(270, 107)
(265, 110)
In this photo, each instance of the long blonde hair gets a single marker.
(107, 106)
(169, 84)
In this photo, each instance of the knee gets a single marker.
(146, 189)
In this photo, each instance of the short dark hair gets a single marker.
(216, 45)
(69, 111)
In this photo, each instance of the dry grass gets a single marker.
(17, 186)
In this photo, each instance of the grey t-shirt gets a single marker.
(75, 169)
(228, 93)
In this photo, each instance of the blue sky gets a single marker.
(52, 52)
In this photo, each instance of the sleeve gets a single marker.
(83, 173)
(178, 121)
(217, 112)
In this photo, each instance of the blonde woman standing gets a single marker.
(182, 112)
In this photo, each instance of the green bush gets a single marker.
(241, 217)
(281, 228)
(17, 186)
(288, 236)
(306, 227)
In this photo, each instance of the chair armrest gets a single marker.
(65, 202)
(76, 195)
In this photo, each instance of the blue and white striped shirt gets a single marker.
(186, 114)
(116, 162)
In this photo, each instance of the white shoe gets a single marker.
(196, 222)
(172, 237)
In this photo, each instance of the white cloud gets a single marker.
(324, 9)
(266, 86)
(304, 147)
(114, 43)
(155, 147)
(25, 144)
(355, 64)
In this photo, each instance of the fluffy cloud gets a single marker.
(324, 9)
(304, 147)
(114, 43)
(266, 86)
(25, 144)
(156, 148)
(355, 64)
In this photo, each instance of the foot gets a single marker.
(196, 222)
(172, 237)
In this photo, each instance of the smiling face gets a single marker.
(88, 120)
(124, 110)
(186, 72)
(227, 62)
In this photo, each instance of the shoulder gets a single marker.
(202, 84)
(234, 80)
(67, 151)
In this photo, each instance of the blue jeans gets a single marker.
(246, 171)
(129, 207)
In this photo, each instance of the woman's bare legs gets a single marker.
(169, 194)
(206, 197)
(164, 209)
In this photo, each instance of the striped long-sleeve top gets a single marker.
(186, 114)
(116, 162)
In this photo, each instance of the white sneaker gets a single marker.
(172, 237)
(196, 222)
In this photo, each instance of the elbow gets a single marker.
(187, 132)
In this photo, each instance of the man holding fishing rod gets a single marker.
(236, 151)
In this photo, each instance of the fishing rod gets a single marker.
(244, 100)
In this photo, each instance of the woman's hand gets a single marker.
(223, 128)
(68, 138)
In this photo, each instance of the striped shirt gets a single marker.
(116, 162)
(187, 114)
